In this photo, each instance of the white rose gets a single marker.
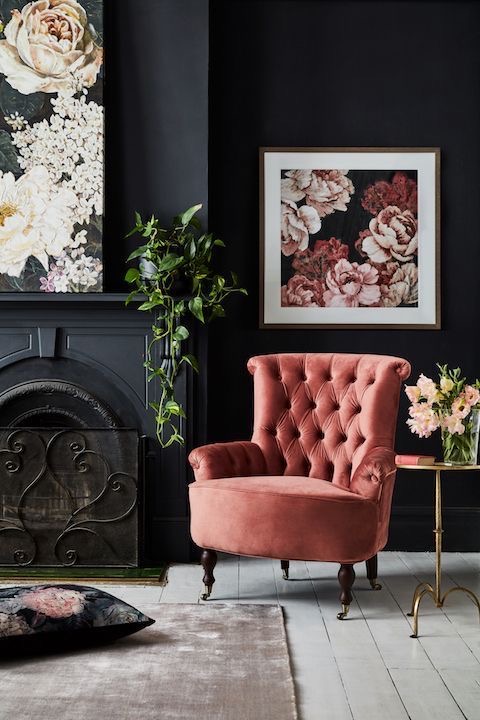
(50, 47)
(35, 219)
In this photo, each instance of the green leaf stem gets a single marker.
(184, 284)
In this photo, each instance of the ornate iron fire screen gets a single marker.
(68, 497)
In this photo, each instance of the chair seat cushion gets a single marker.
(285, 517)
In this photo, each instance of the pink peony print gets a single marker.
(296, 226)
(54, 602)
(315, 263)
(398, 284)
(324, 190)
(303, 292)
(393, 235)
(352, 285)
(401, 192)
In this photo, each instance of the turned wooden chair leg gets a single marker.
(208, 560)
(285, 564)
(372, 568)
(346, 578)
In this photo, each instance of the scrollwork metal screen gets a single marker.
(68, 497)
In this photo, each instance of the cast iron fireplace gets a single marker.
(69, 479)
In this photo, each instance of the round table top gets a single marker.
(439, 466)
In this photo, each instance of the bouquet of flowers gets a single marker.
(453, 406)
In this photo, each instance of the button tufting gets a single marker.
(304, 378)
(288, 405)
(297, 433)
(313, 405)
(320, 435)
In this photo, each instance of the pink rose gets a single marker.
(315, 263)
(300, 291)
(351, 285)
(460, 406)
(325, 190)
(472, 395)
(423, 419)
(393, 234)
(428, 389)
(54, 602)
(453, 424)
(413, 393)
(296, 225)
(399, 284)
(402, 192)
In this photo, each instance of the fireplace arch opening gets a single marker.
(54, 403)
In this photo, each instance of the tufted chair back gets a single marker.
(318, 414)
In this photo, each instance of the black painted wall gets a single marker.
(283, 73)
(341, 73)
(156, 97)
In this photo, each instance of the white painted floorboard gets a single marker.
(367, 667)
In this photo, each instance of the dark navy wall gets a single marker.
(156, 161)
(193, 89)
(156, 98)
(349, 73)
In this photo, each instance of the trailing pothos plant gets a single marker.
(176, 276)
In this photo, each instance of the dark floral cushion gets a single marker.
(50, 617)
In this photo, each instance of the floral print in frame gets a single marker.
(51, 146)
(350, 237)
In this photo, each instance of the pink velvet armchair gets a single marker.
(316, 480)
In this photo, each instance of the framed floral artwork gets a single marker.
(350, 237)
(51, 146)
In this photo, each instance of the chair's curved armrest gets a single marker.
(231, 459)
(376, 470)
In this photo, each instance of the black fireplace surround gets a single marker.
(77, 441)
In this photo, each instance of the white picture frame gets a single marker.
(383, 204)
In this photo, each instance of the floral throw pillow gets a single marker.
(51, 617)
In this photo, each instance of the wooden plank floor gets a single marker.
(367, 667)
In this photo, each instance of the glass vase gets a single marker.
(462, 449)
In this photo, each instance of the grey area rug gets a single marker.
(221, 662)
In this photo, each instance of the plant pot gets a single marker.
(462, 449)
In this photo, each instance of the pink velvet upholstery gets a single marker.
(316, 481)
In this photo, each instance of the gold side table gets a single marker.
(425, 588)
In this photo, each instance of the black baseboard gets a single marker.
(411, 528)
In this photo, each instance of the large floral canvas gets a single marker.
(51, 146)
(350, 237)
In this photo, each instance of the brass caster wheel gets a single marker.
(285, 574)
(206, 593)
(410, 615)
(375, 585)
(415, 637)
(342, 615)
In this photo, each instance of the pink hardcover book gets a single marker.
(414, 459)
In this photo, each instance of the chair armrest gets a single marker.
(231, 459)
(376, 470)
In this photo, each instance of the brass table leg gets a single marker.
(425, 588)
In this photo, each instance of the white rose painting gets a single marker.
(51, 146)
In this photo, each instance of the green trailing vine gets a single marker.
(176, 276)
